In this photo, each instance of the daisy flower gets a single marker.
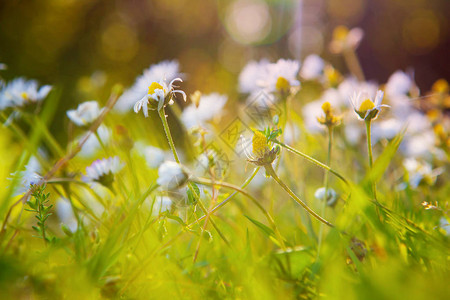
(343, 39)
(172, 175)
(271, 77)
(30, 176)
(159, 95)
(282, 75)
(85, 114)
(103, 170)
(20, 92)
(365, 107)
(312, 67)
(420, 172)
(208, 107)
(168, 69)
(252, 75)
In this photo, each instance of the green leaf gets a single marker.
(265, 229)
(382, 162)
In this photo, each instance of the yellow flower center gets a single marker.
(440, 86)
(282, 84)
(326, 107)
(24, 95)
(366, 105)
(259, 143)
(153, 87)
(340, 33)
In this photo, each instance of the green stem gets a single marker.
(324, 204)
(314, 161)
(369, 149)
(247, 182)
(271, 172)
(253, 199)
(162, 115)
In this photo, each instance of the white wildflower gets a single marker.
(365, 107)
(159, 95)
(65, 214)
(172, 175)
(419, 171)
(166, 69)
(103, 170)
(85, 114)
(92, 145)
(271, 77)
(20, 92)
(208, 107)
(30, 176)
(399, 83)
(252, 75)
(331, 195)
(312, 67)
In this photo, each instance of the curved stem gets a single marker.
(269, 218)
(313, 160)
(325, 200)
(162, 115)
(228, 199)
(271, 172)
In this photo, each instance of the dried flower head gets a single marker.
(329, 119)
(262, 154)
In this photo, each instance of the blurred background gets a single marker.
(85, 46)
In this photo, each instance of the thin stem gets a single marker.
(324, 204)
(351, 59)
(162, 115)
(271, 172)
(269, 218)
(369, 149)
(314, 161)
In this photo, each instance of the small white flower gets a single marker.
(162, 204)
(20, 92)
(253, 73)
(444, 224)
(92, 145)
(159, 95)
(331, 195)
(154, 156)
(312, 67)
(271, 77)
(171, 175)
(209, 107)
(30, 176)
(103, 170)
(282, 75)
(420, 171)
(168, 69)
(65, 213)
(399, 84)
(365, 107)
(386, 129)
(85, 114)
